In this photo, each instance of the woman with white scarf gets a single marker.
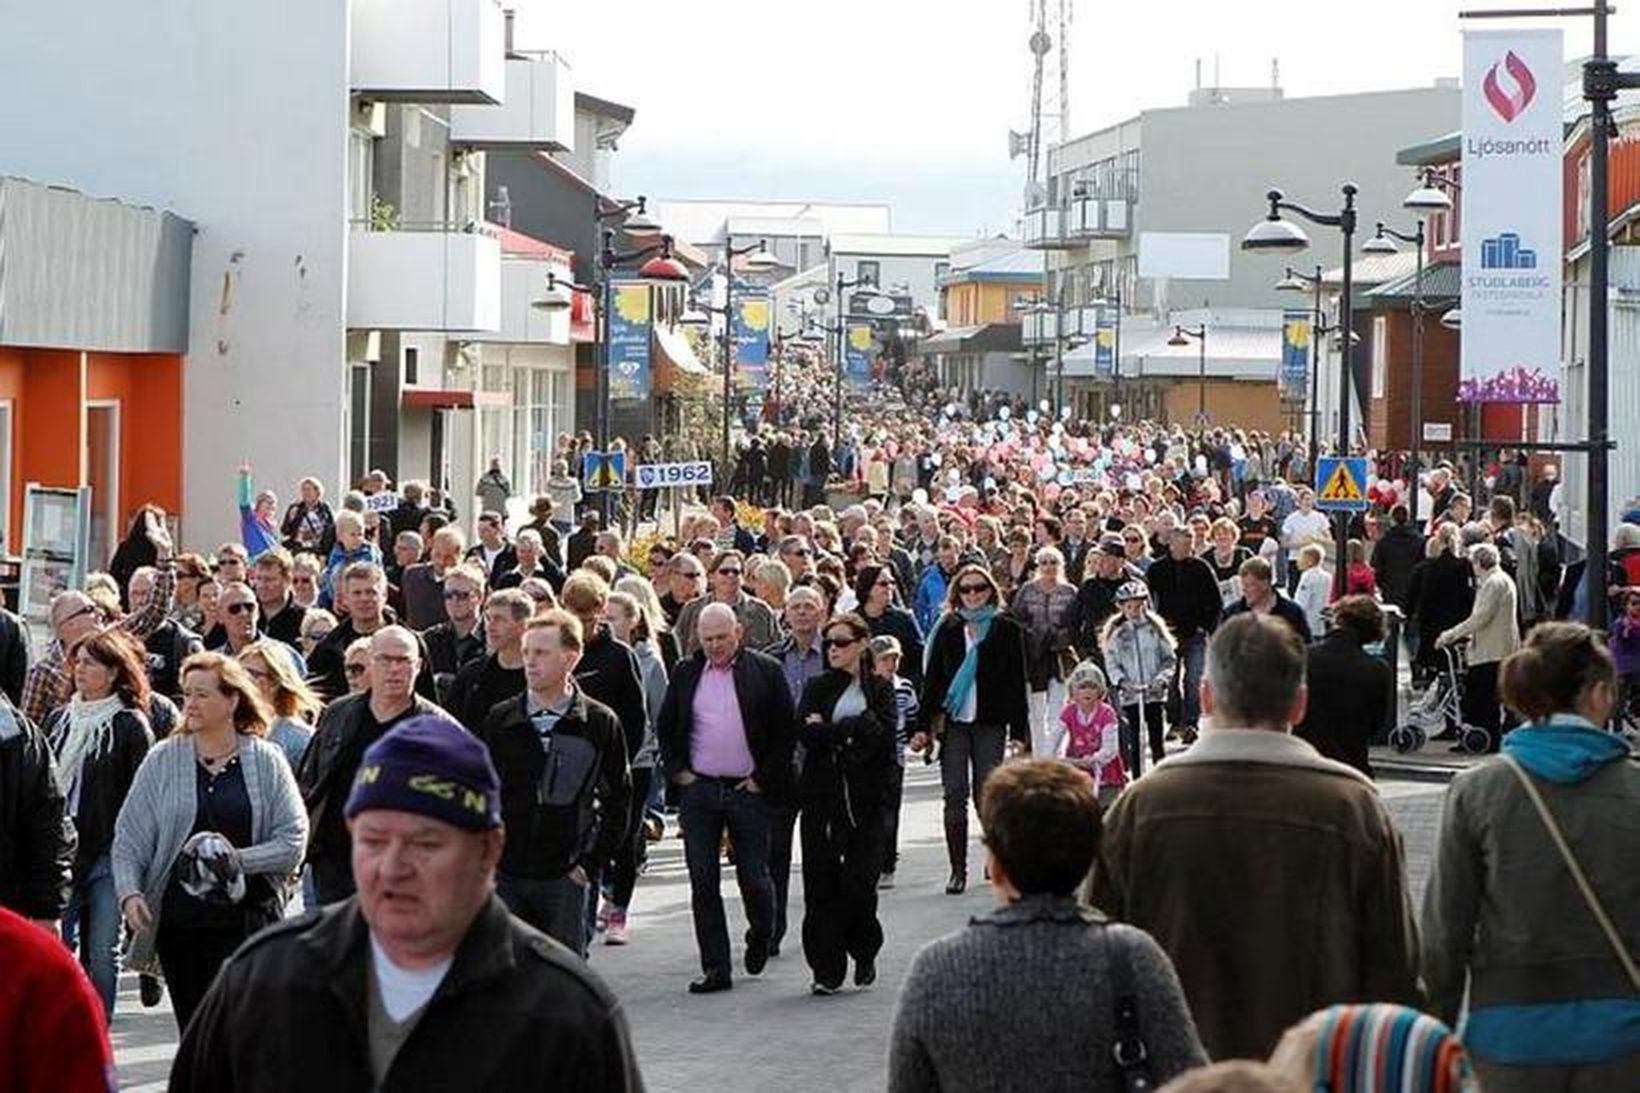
(100, 739)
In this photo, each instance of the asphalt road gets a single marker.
(767, 1033)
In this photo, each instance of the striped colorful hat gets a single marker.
(1383, 1048)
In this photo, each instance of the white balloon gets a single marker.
(1031, 417)
(1058, 428)
(936, 460)
(1003, 413)
(952, 493)
(1044, 406)
(1064, 413)
(920, 496)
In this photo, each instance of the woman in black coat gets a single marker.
(875, 589)
(845, 723)
(974, 700)
(1442, 594)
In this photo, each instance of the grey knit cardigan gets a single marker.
(1022, 999)
(158, 816)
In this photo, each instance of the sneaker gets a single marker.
(823, 989)
(654, 829)
(616, 933)
(865, 973)
(886, 881)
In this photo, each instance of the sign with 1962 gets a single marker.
(654, 476)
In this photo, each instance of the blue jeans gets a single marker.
(706, 808)
(91, 924)
(1192, 661)
(557, 907)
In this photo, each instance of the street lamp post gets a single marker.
(1383, 242)
(1295, 281)
(1275, 235)
(1183, 336)
(757, 258)
(843, 285)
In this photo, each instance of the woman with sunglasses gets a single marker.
(973, 700)
(845, 723)
(875, 586)
(100, 738)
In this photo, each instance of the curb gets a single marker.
(1435, 773)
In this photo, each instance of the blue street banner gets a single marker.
(857, 354)
(1104, 345)
(751, 338)
(603, 471)
(1293, 381)
(629, 361)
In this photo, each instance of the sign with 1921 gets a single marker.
(655, 476)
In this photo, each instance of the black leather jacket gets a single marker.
(516, 1010)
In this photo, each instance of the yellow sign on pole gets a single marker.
(1341, 483)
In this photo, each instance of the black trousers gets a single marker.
(1128, 737)
(630, 858)
(891, 819)
(841, 863)
(1480, 700)
(190, 958)
(782, 832)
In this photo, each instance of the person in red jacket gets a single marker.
(52, 1034)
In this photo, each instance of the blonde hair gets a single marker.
(1310, 555)
(292, 697)
(348, 520)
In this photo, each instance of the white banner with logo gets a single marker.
(1512, 229)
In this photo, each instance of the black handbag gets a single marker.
(1128, 1050)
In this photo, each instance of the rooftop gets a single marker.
(887, 243)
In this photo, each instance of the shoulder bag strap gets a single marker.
(1128, 1049)
(1576, 870)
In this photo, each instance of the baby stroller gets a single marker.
(1441, 705)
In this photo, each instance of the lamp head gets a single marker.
(1273, 234)
(1178, 339)
(1380, 244)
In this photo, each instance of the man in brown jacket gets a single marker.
(1270, 875)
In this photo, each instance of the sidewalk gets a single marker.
(1431, 763)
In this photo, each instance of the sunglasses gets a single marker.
(240, 608)
(728, 572)
(843, 642)
(800, 552)
(354, 669)
(80, 614)
(973, 589)
(884, 582)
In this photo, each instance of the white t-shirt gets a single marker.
(1301, 527)
(405, 990)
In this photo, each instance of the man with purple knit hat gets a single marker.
(392, 987)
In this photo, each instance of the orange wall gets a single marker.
(972, 303)
(48, 393)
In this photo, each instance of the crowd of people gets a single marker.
(454, 754)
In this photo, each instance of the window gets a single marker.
(361, 163)
(942, 270)
(1380, 353)
(867, 273)
(412, 364)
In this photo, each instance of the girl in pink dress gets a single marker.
(1091, 732)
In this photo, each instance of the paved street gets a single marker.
(770, 1029)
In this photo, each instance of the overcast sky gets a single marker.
(910, 101)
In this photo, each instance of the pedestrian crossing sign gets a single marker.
(1341, 484)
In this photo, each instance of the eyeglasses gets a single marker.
(88, 609)
(728, 572)
(240, 608)
(800, 552)
(354, 669)
(973, 589)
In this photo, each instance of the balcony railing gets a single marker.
(539, 112)
(434, 277)
(1099, 218)
(428, 51)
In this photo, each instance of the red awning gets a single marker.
(450, 398)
